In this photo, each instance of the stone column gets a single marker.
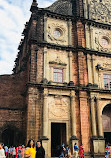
(69, 33)
(93, 118)
(45, 115)
(90, 78)
(99, 118)
(70, 66)
(87, 36)
(94, 70)
(45, 123)
(99, 143)
(45, 28)
(73, 120)
(45, 62)
(92, 38)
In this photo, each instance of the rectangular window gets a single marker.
(58, 75)
(107, 81)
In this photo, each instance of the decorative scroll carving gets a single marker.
(100, 11)
(50, 30)
(99, 36)
(58, 108)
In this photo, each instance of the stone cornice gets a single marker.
(41, 85)
(96, 24)
(73, 18)
(66, 87)
(54, 15)
(99, 53)
(71, 48)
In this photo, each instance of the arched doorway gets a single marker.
(12, 137)
(106, 117)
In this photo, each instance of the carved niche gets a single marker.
(100, 10)
(58, 107)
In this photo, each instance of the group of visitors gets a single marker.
(31, 151)
(66, 152)
(107, 151)
(37, 151)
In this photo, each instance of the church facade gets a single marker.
(60, 89)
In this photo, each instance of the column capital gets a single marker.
(45, 93)
(69, 22)
(93, 99)
(45, 50)
(45, 18)
(70, 54)
(72, 94)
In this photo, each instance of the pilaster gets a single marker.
(45, 115)
(93, 118)
(73, 120)
(99, 119)
(45, 63)
(45, 28)
(69, 33)
(70, 66)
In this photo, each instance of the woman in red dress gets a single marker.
(81, 151)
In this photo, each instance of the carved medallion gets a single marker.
(58, 108)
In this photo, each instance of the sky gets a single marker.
(13, 16)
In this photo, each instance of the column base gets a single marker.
(98, 145)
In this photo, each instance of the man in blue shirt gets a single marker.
(76, 150)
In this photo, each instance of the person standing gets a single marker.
(81, 152)
(30, 150)
(9, 151)
(62, 150)
(16, 156)
(14, 152)
(76, 150)
(23, 151)
(2, 151)
(66, 152)
(19, 152)
(40, 152)
(6, 151)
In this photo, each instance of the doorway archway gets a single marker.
(106, 117)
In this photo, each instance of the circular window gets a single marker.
(57, 33)
(104, 42)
